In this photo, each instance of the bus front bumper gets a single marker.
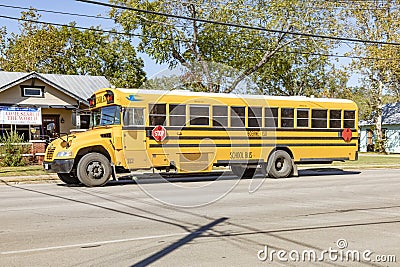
(59, 165)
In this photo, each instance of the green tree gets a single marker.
(13, 147)
(217, 58)
(164, 83)
(380, 21)
(31, 50)
(68, 50)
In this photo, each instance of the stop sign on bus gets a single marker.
(159, 133)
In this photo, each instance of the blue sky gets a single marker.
(69, 6)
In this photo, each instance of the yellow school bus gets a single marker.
(188, 132)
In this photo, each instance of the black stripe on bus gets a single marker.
(247, 145)
(221, 129)
(251, 138)
(322, 159)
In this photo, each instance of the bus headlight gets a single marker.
(64, 154)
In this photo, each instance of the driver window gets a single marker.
(133, 117)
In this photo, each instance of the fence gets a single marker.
(35, 151)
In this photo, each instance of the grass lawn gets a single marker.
(369, 160)
(22, 171)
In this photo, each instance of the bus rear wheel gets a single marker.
(243, 172)
(94, 169)
(279, 164)
(68, 178)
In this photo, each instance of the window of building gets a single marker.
(134, 117)
(349, 118)
(319, 118)
(199, 115)
(303, 117)
(335, 120)
(271, 117)
(22, 130)
(384, 133)
(287, 117)
(177, 115)
(370, 140)
(157, 115)
(238, 116)
(32, 91)
(254, 117)
(220, 116)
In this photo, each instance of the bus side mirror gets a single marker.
(51, 126)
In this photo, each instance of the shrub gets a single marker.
(12, 149)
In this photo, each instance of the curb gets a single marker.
(29, 179)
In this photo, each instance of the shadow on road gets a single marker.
(239, 233)
(150, 178)
(156, 256)
(325, 171)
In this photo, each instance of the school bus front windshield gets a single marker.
(110, 115)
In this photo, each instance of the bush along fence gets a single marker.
(14, 151)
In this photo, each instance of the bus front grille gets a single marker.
(50, 152)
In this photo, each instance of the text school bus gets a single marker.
(188, 132)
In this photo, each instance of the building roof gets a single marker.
(390, 115)
(80, 87)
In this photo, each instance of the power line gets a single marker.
(185, 41)
(72, 26)
(310, 4)
(69, 14)
(107, 18)
(239, 25)
(57, 12)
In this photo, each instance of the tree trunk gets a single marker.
(380, 143)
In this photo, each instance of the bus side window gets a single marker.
(133, 117)
(271, 117)
(255, 117)
(199, 115)
(303, 117)
(349, 118)
(238, 116)
(220, 116)
(319, 118)
(335, 118)
(157, 115)
(177, 115)
(287, 117)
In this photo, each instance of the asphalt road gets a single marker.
(206, 221)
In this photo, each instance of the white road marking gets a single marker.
(90, 244)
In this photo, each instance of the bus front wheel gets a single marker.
(94, 169)
(279, 164)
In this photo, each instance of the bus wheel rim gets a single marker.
(95, 170)
(279, 164)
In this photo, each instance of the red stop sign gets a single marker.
(347, 134)
(159, 133)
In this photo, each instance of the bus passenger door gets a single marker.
(134, 138)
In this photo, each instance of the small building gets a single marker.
(390, 130)
(29, 102)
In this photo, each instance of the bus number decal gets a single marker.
(241, 155)
(253, 133)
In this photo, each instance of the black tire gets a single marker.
(279, 164)
(94, 169)
(68, 178)
(243, 172)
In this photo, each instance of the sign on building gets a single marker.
(20, 116)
